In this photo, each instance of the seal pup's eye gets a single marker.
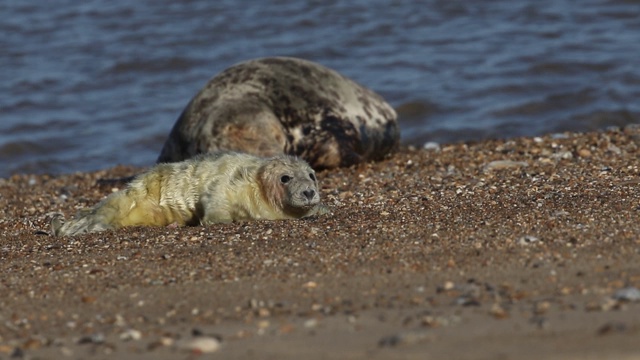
(285, 179)
(312, 176)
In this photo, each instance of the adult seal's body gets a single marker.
(211, 188)
(282, 105)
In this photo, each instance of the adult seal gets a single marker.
(281, 105)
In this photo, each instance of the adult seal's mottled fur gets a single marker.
(210, 188)
(279, 105)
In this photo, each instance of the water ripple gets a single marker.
(94, 84)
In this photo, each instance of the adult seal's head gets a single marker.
(272, 106)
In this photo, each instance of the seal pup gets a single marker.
(210, 188)
(277, 105)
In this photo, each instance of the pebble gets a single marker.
(448, 285)
(310, 285)
(466, 301)
(585, 153)
(162, 342)
(92, 339)
(566, 155)
(527, 239)
(88, 299)
(437, 321)
(130, 334)
(541, 307)
(504, 164)
(310, 323)
(629, 294)
(614, 149)
(431, 145)
(201, 344)
(498, 312)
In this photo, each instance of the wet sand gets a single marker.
(525, 248)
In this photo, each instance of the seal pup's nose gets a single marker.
(309, 193)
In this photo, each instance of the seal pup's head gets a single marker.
(289, 184)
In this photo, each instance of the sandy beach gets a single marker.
(523, 248)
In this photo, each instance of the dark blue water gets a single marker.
(88, 85)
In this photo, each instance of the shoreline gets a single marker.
(515, 248)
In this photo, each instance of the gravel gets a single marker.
(427, 253)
